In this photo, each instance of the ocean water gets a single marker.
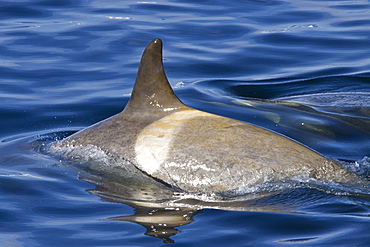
(299, 68)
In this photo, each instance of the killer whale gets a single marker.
(192, 150)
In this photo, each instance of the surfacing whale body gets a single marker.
(189, 149)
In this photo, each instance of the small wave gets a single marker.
(361, 167)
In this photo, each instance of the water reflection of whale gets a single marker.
(156, 206)
(160, 210)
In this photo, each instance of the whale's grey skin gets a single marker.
(190, 149)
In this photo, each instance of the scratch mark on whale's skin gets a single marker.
(190, 149)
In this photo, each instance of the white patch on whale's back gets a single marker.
(154, 141)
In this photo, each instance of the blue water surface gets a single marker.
(300, 68)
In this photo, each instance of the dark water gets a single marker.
(300, 68)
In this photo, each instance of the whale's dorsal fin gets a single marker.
(152, 91)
